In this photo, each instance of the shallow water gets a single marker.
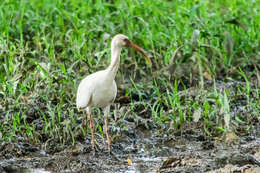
(35, 171)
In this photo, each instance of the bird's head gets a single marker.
(121, 40)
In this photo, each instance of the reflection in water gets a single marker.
(34, 171)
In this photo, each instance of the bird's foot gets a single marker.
(96, 143)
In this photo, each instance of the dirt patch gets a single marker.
(146, 151)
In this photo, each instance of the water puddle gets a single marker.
(34, 171)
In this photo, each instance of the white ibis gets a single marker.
(99, 89)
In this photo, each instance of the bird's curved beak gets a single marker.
(131, 44)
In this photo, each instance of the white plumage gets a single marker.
(99, 89)
(92, 93)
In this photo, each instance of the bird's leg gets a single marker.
(92, 131)
(107, 134)
(106, 112)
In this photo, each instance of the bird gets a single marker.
(99, 89)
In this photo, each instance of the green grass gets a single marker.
(48, 46)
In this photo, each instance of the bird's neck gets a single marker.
(115, 61)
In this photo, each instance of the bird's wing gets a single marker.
(115, 89)
(84, 93)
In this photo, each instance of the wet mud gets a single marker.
(140, 146)
(141, 151)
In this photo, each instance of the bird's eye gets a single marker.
(126, 40)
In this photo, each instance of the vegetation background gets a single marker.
(205, 54)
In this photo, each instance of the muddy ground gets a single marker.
(141, 146)
(140, 151)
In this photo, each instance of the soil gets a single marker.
(140, 151)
